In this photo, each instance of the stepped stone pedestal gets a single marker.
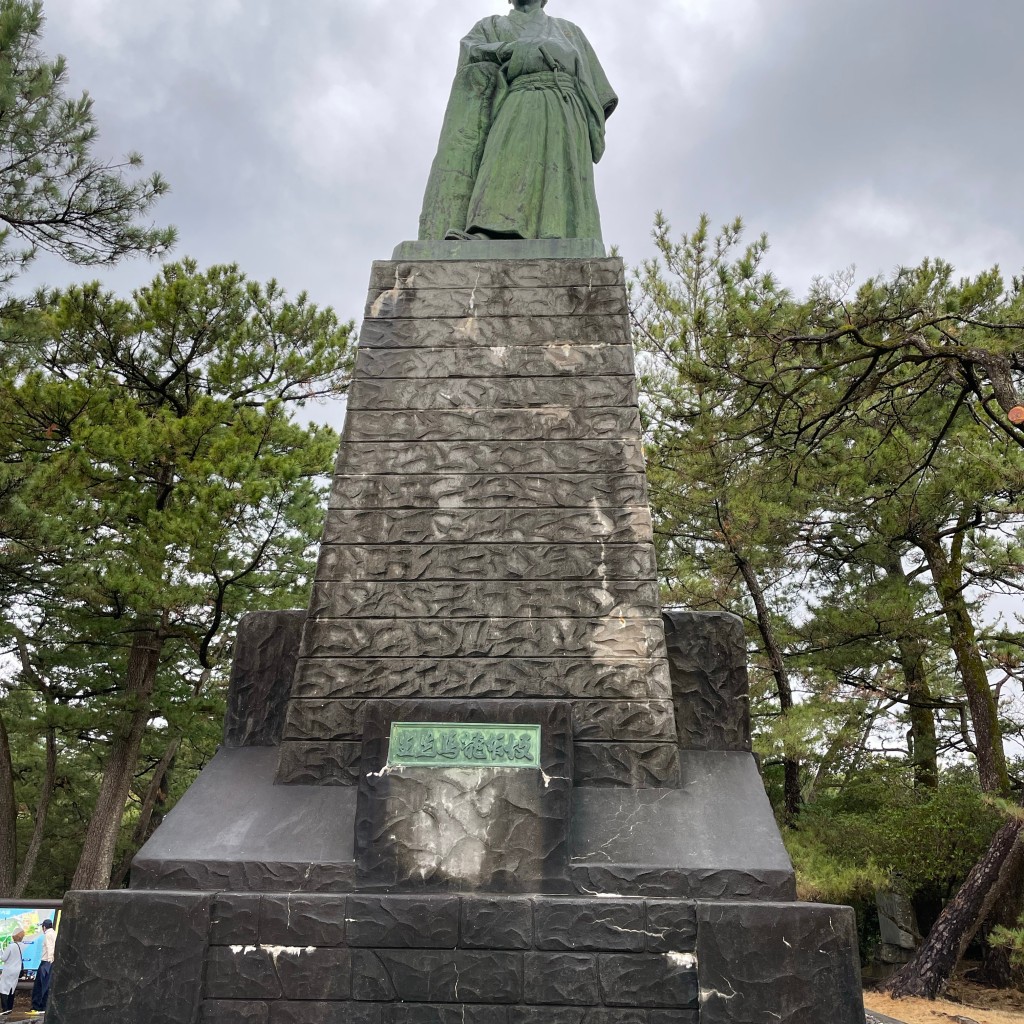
(482, 778)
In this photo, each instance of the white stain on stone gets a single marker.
(273, 951)
(685, 960)
(450, 833)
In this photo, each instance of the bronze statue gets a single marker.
(524, 127)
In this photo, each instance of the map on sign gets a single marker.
(439, 745)
(31, 922)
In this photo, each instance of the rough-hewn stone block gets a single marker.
(500, 361)
(570, 490)
(649, 979)
(130, 956)
(623, 721)
(484, 638)
(794, 962)
(325, 720)
(429, 976)
(237, 972)
(234, 1011)
(637, 765)
(504, 922)
(300, 920)
(306, 1012)
(561, 979)
(235, 920)
(481, 678)
(266, 649)
(493, 425)
(491, 457)
(671, 926)
(492, 393)
(469, 562)
(319, 764)
(708, 666)
(589, 924)
(626, 722)
(458, 303)
(487, 526)
(407, 922)
(320, 974)
(582, 1015)
(411, 600)
(522, 273)
(444, 1013)
(486, 332)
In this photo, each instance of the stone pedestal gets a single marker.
(487, 561)
(489, 536)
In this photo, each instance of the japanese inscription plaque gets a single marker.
(452, 745)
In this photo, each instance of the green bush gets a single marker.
(879, 832)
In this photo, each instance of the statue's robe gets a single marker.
(520, 139)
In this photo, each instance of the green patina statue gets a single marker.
(524, 127)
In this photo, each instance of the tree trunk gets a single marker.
(8, 816)
(928, 972)
(920, 704)
(1007, 902)
(922, 714)
(155, 794)
(42, 810)
(777, 660)
(988, 735)
(97, 859)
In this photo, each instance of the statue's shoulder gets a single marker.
(490, 23)
(569, 29)
(566, 26)
(485, 30)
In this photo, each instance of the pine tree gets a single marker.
(55, 194)
(158, 487)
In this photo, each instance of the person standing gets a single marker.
(11, 961)
(41, 989)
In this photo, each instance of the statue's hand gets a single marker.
(504, 53)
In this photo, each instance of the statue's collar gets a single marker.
(536, 13)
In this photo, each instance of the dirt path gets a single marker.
(920, 1011)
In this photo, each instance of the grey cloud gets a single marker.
(297, 138)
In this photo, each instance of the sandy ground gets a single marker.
(920, 1011)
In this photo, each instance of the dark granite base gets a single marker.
(170, 958)
(236, 830)
(798, 961)
(135, 958)
(714, 837)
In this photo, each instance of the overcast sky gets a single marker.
(297, 137)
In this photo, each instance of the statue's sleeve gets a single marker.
(478, 88)
(606, 95)
(600, 97)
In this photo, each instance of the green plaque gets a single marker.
(452, 745)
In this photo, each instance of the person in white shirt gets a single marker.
(41, 989)
(11, 960)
